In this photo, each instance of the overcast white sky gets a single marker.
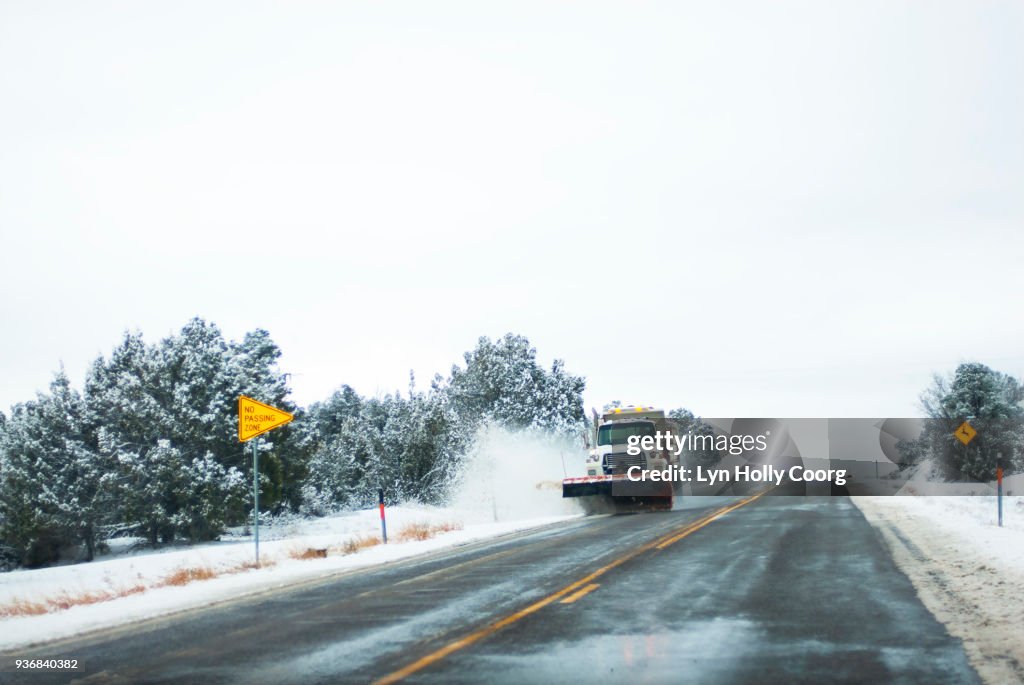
(776, 209)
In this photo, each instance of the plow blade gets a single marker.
(619, 491)
(586, 487)
(590, 485)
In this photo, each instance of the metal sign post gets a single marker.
(256, 418)
(256, 499)
(999, 493)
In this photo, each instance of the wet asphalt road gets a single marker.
(778, 590)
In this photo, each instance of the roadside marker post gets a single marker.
(999, 493)
(256, 418)
(383, 523)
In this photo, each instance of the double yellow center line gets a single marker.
(577, 589)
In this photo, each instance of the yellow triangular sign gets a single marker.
(256, 418)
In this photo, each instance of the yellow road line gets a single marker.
(579, 593)
(705, 521)
(492, 628)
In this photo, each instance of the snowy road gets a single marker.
(778, 589)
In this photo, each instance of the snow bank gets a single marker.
(511, 482)
(150, 569)
(967, 571)
(925, 479)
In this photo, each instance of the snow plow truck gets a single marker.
(606, 484)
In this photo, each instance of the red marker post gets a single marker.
(999, 493)
(383, 523)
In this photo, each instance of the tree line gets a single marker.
(148, 446)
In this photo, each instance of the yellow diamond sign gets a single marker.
(256, 418)
(965, 433)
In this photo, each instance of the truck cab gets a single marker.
(613, 431)
(608, 462)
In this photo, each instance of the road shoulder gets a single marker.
(970, 588)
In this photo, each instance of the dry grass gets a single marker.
(355, 544)
(184, 576)
(250, 565)
(21, 607)
(308, 553)
(64, 601)
(425, 531)
(133, 590)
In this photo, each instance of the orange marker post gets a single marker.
(383, 523)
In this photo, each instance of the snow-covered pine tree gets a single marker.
(177, 401)
(199, 378)
(433, 445)
(194, 392)
(562, 400)
(377, 451)
(29, 528)
(993, 402)
(87, 479)
(54, 492)
(130, 407)
(329, 435)
(504, 383)
(409, 447)
(210, 493)
(251, 369)
(152, 483)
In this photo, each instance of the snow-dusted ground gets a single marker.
(967, 571)
(149, 569)
(511, 482)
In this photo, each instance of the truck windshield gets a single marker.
(619, 433)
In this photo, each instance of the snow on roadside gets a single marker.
(276, 546)
(511, 482)
(967, 571)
